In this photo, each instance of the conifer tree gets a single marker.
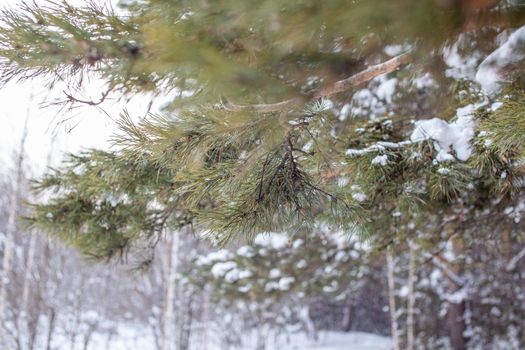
(288, 115)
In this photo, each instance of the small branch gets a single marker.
(512, 263)
(441, 263)
(73, 99)
(260, 195)
(327, 91)
(263, 108)
(364, 76)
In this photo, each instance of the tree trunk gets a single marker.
(185, 323)
(169, 303)
(411, 297)
(51, 329)
(347, 316)
(392, 299)
(455, 314)
(14, 200)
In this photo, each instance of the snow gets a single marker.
(245, 251)
(454, 136)
(386, 89)
(220, 268)
(443, 171)
(380, 160)
(274, 273)
(233, 275)
(495, 106)
(378, 146)
(271, 240)
(220, 255)
(460, 67)
(510, 52)
(457, 297)
(360, 197)
(331, 341)
(301, 264)
(285, 283)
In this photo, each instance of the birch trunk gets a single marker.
(392, 299)
(411, 297)
(456, 309)
(169, 304)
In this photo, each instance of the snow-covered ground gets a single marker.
(130, 337)
(335, 341)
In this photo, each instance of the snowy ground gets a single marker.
(130, 338)
(336, 341)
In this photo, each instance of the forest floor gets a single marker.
(333, 341)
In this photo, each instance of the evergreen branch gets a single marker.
(335, 88)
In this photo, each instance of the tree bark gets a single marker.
(169, 303)
(455, 315)
(411, 302)
(392, 299)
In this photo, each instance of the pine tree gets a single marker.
(387, 120)
(253, 144)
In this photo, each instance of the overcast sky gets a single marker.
(88, 127)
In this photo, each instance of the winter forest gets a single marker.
(262, 175)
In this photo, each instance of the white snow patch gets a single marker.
(360, 197)
(460, 67)
(386, 89)
(337, 341)
(286, 282)
(380, 160)
(272, 240)
(443, 171)
(245, 251)
(511, 52)
(454, 136)
(393, 50)
(220, 255)
(274, 273)
(301, 264)
(221, 268)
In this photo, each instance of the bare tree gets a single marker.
(411, 296)
(14, 203)
(392, 298)
(170, 285)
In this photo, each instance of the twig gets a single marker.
(512, 263)
(71, 98)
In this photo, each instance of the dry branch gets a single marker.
(327, 91)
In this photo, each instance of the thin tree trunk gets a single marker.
(51, 329)
(171, 274)
(30, 260)
(347, 316)
(411, 297)
(456, 309)
(24, 315)
(185, 324)
(392, 299)
(14, 199)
